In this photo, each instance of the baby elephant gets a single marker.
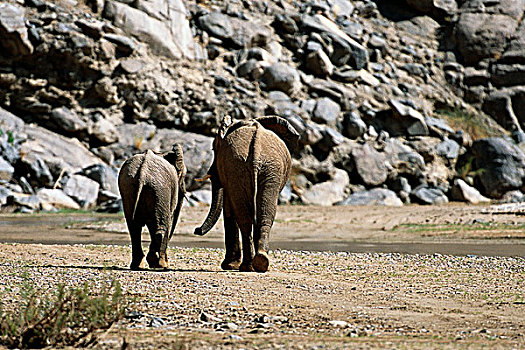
(152, 189)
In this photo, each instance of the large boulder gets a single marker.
(425, 194)
(484, 27)
(515, 52)
(401, 120)
(13, 32)
(281, 77)
(234, 31)
(461, 191)
(501, 165)
(328, 192)
(60, 153)
(82, 189)
(376, 196)
(160, 24)
(370, 165)
(6, 170)
(55, 199)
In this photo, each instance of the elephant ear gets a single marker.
(225, 124)
(282, 128)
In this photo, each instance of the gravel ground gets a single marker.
(308, 300)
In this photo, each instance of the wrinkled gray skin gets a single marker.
(152, 189)
(251, 165)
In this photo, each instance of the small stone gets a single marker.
(338, 324)
(204, 317)
(156, 322)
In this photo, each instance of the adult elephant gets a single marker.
(251, 165)
(152, 189)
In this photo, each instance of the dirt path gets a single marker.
(370, 299)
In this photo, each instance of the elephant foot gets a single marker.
(260, 262)
(246, 267)
(137, 266)
(163, 263)
(230, 264)
(153, 260)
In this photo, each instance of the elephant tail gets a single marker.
(256, 154)
(141, 176)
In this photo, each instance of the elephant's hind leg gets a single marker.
(267, 197)
(137, 255)
(232, 258)
(247, 245)
(153, 257)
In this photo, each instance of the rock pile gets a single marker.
(387, 96)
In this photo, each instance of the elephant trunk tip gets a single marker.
(199, 232)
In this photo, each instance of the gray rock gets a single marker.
(425, 194)
(284, 24)
(23, 203)
(415, 69)
(473, 77)
(251, 69)
(370, 165)
(328, 192)
(82, 189)
(508, 75)
(483, 28)
(503, 165)
(103, 131)
(330, 138)
(124, 44)
(4, 193)
(461, 191)
(515, 51)
(131, 65)
(423, 26)
(286, 195)
(353, 125)
(104, 175)
(439, 126)
(13, 30)
(346, 49)
(240, 33)
(404, 159)
(402, 187)
(282, 77)
(401, 120)
(342, 8)
(55, 198)
(448, 149)
(170, 35)
(67, 121)
(376, 196)
(6, 170)
(217, 25)
(499, 106)
(319, 63)
(326, 111)
(337, 92)
(36, 170)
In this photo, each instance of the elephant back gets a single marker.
(282, 128)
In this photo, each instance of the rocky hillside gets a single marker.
(395, 101)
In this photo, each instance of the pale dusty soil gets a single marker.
(386, 299)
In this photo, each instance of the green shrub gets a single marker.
(69, 317)
(476, 125)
